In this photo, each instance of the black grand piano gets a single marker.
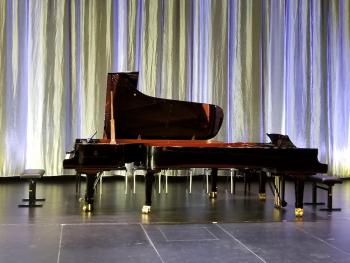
(155, 134)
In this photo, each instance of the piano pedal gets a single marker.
(146, 209)
(87, 208)
(262, 196)
(213, 194)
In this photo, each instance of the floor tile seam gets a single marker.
(99, 224)
(60, 244)
(240, 242)
(191, 240)
(211, 233)
(32, 224)
(321, 240)
(152, 243)
(68, 224)
(215, 238)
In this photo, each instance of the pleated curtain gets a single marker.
(273, 66)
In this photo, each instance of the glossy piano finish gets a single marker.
(156, 134)
(140, 116)
(182, 154)
(100, 156)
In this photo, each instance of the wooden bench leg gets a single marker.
(32, 196)
(314, 196)
(330, 201)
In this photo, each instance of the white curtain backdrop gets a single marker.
(273, 66)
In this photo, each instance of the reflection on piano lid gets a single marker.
(157, 134)
(140, 116)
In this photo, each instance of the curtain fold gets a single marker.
(14, 76)
(273, 66)
(3, 46)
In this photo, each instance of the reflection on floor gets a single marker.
(182, 227)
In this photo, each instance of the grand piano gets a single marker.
(155, 134)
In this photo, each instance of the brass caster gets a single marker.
(213, 194)
(262, 196)
(146, 209)
(87, 207)
(299, 211)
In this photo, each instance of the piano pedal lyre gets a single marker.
(213, 195)
(146, 209)
(87, 207)
(262, 196)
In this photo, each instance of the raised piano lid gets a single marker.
(140, 116)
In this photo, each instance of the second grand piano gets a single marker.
(157, 134)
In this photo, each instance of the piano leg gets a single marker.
(262, 185)
(213, 178)
(148, 184)
(90, 191)
(282, 191)
(299, 193)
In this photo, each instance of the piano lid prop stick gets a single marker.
(112, 122)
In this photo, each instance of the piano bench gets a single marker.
(32, 175)
(324, 182)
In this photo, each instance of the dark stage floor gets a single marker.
(182, 227)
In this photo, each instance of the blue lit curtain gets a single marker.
(273, 66)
